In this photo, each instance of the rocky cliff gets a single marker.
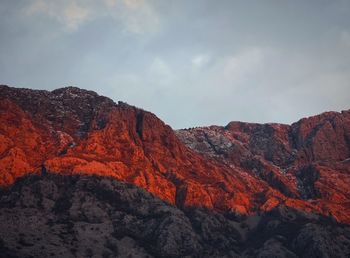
(93, 216)
(241, 168)
(308, 160)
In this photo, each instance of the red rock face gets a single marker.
(243, 167)
(306, 162)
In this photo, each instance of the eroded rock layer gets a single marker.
(242, 168)
(308, 160)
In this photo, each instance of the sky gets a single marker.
(191, 62)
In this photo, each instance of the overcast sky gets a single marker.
(192, 63)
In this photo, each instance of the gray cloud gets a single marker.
(190, 62)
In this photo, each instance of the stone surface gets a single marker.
(243, 168)
(308, 160)
(93, 216)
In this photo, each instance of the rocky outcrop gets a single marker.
(242, 168)
(307, 160)
(73, 131)
(92, 216)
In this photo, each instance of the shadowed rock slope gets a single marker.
(252, 168)
(92, 216)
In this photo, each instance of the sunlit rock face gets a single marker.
(307, 161)
(242, 168)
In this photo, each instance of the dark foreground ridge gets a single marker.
(92, 216)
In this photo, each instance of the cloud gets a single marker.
(75, 15)
(68, 13)
(134, 4)
(190, 62)
(135, 16)
(200, 60)
(254, 84)
(110, 3)
(160, 71)
(138, 17)
(345, 39)
(241, 65)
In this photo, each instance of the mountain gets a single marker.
(71, 131)
(94, 216)
(241, 168)
(308, 160)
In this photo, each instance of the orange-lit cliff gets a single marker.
(242, 167)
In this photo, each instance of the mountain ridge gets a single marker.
(73, 131)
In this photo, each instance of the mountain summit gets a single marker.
(242, 168)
